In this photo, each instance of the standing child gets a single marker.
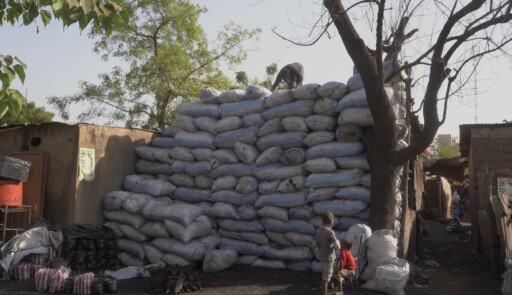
(328, 246)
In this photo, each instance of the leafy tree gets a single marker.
(459, 27)
(103, 13)
(270, 72)
(29, 114)
(169, 61)
(10, 99)
(447, 150)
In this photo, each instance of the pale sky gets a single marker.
(58, 59)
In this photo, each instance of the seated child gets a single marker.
(347, 263)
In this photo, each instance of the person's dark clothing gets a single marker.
(296, 73)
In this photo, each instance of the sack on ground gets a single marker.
(217, 260)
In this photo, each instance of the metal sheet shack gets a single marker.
(80, 163)
(488, 148)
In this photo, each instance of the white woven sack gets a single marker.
(207, 94)
(390, 277)
(207, 124)
(146, 152)
(292, 184)
(224, 183)
(242, 108)
(235, 95)
(333, 89)
(321, 122)
(269, 127)
(224, 210)
(294, 123)
(278, 97)
(360, 116)
(199, 228)
(268, 187)
(195, 109)
(307, 91)
(225, 156)
(289, 253)
(132, 233)
(172, 259)
(186, 123)
(247, 185)
(340, 207)
(182, 154)
(217, 260)
(354, 235)
(257, 91)
(273, 212)
(246, 153)
(318, 137)
(381, 246)
(202, 154)
(325, 106)
(252, 119)
(269, 156)
(228, 123)
(154, 168)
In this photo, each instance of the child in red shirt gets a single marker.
(347, 263)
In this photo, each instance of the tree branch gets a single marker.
(324, 31)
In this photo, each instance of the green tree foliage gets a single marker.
(169, 60)
(447, 150)
(105, 14)
(28, 114)
(10, 99)
(270, 71)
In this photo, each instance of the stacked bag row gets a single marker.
(30, 264)
(61, 280)
(253, 171)
(356, 122)
(143, 223)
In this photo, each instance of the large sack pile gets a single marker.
(251, 171)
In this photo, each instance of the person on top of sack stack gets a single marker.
(292, 75)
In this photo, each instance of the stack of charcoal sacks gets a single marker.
(142, 222)
(89, 248)
(355, 116)
(259, 168)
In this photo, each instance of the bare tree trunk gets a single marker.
(384, 178)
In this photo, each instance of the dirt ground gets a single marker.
(448, 260)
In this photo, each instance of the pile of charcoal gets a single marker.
(89, 248)
(177, 279)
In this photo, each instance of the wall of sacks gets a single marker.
(251, 171)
